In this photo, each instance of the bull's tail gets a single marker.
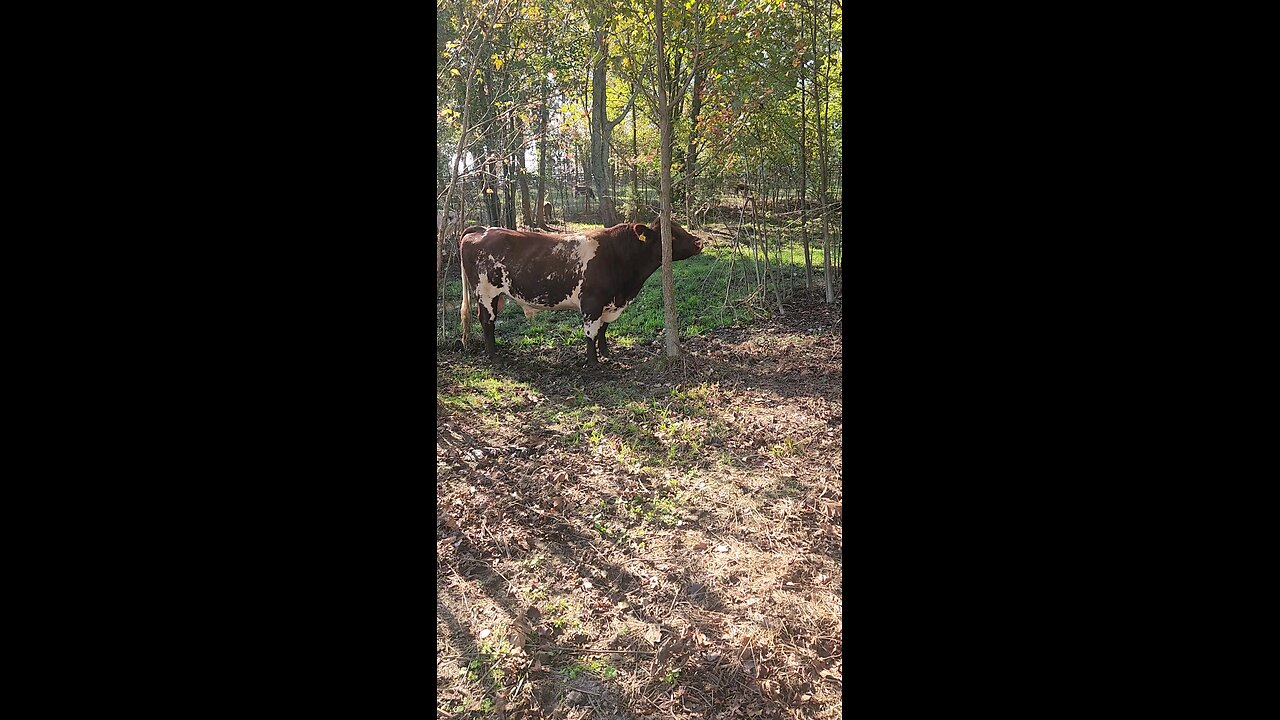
(466, 302)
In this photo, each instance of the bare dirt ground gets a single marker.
(633, 542)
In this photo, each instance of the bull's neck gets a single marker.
(651, 261)
(644, 264)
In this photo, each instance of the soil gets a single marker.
(640, 540)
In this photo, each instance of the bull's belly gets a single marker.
(611, 311)
(532, 308)
(532, 305)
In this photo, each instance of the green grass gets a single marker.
(670, 430)
(484, 670)
(473, 388)
(599, 668)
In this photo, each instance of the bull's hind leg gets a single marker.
(487, 323)
(489, 307)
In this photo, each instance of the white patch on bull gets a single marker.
(584, 248)
(489, 293)
(591, 328)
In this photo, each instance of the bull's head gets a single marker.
(684, 244)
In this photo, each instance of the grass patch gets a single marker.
(672, 429)
(472, 387)
(563, 614)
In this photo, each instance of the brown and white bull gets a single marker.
(597, 272)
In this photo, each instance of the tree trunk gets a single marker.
(493, 202)
(542, 149)
(509, 188)
(635, 164)
(522, 172)
(691, 156)
(672, 334)
(823, 143)
(599, 160)
(602, 131)
(804, 202)
(454, 170)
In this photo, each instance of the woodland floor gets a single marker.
(634, 542)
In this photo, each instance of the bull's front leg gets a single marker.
(592, 327)
(601, 346)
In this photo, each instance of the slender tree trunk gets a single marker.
(635, 163)
(509, 183)
(804, 203)
(492, 203)
(564, 202)
(768, 270)
(543, 171)
(672, 335)
(695, 108)
(454, 170)
(602, 132)
(522, 174)
(823, 144)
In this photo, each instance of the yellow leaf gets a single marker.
(454, 72)
(497, 63)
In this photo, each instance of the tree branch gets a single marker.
(623, 114)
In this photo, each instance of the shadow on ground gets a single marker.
(632, 542)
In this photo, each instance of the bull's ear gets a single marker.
(641, 229)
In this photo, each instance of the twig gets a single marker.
(594, 650)
(587, 692)
(646, 697)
